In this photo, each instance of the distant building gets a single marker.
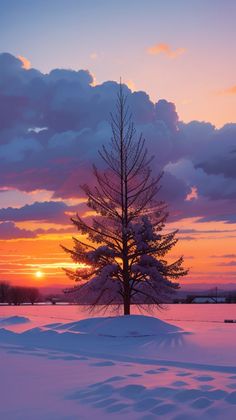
(207, 299)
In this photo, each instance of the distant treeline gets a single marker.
(17, 295)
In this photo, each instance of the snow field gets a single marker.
(136, 368)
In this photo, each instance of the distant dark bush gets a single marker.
(4, 290)
(32, 294)
(18, 294)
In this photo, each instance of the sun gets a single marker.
(39, 274)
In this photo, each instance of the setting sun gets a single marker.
(39, 274)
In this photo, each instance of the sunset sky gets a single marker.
(60, 63)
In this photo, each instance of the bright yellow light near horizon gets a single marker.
(39, 274)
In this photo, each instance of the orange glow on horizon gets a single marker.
(203, 245)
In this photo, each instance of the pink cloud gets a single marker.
(229, 91)
(165, 49)
(192, 195)
(26, 64)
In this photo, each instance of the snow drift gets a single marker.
(122, 326)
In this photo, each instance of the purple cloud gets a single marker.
(48, 211)
(224, 256)
(228, 264)
(74, 115)
(8, 230)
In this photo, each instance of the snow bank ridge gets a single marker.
(13, 320)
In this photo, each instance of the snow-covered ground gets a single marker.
(55, 364)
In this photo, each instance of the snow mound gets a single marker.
(13, 320)
(122, 326)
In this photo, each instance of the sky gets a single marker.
(60, 63)
(113, 39)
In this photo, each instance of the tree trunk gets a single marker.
(126, 278)
(126, 305)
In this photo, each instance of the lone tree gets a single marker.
(124, 248)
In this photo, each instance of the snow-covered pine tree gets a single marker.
(124, 245)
